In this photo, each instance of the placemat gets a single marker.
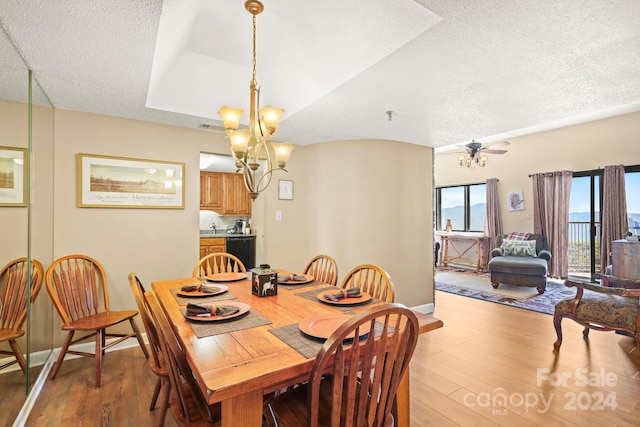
(297, 340)
(312, 295)
(249, 320)
(304, 344)
(201, 300)
(302, 285)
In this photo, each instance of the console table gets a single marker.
(463, 250)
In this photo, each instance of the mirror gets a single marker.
(27, 229)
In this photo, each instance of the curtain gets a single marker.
(551, 192)
(493, 218)
(614, 211)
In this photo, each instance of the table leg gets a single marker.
(243, 411)
(402, 399)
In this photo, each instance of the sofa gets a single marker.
(517, 260)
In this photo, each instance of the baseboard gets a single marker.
(39, 358)
(424, 308)
(23, 415)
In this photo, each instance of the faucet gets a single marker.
(213, 226)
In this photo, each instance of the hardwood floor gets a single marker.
(483, 352)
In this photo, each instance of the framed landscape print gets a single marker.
(120, 182)
(13, 176)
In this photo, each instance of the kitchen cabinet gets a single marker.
(224, 193)
(209, 245)
(236, 200)
(211, 191)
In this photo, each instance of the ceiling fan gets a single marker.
(475, 153)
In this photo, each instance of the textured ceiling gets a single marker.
(450, 70)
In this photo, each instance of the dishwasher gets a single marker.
(244, 247)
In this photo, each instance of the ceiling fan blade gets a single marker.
(498, 144)
(494, 151)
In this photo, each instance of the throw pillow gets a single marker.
(517, 236)
(519, 248)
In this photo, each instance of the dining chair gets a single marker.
(354, 382)
(158, 360)
(13, 304)
(188, 405)
(77, 285)
(218, 262)
(372, 280)
(323, 268)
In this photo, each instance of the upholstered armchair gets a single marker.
(611, 305)
(520, 262)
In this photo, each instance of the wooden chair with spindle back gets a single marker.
(323, 268)
(372, 280)
(188, 405)
(77, 285)
(13, 304)
(354, 382)
(157, 361)
(218, 262)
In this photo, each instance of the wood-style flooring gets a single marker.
(480, 369)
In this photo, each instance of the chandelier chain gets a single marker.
(253, 77)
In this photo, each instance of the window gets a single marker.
(464, 205)
(632, 187)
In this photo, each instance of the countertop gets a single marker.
(210, 234)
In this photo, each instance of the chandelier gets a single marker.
(253, 145)
(472, 156)
(471, 160)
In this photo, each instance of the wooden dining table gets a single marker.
(238, 367)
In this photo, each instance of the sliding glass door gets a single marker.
(584, 218)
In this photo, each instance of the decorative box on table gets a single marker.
(264, 281)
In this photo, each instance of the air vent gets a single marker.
(211, 128)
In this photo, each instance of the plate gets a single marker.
(323, 325)
(344, 301)
(198, 294)
(308, 278)
(242, 306)
(226, 277)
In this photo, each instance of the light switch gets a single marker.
(278, 215)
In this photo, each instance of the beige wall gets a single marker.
(362, 202)
(580, 147)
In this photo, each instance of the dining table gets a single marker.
(238, 360)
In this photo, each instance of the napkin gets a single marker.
(200, 288)
(345, 293)
(202, 310)
(292, 278)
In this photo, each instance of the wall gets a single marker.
(362, 202)
(586, 146)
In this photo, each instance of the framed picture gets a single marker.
(285, 189)
(516, 201)
(13, 176)
(120, 182)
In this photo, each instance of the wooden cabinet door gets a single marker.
(211, 245)
(236, 197)
(211, 191)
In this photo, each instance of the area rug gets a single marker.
(477, 285)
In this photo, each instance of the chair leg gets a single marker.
(139, 337)
(63, 352)
(18, 354)
(156, 393)
(557, 323)
(98, 355)
(585, 334)
(164, 404)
